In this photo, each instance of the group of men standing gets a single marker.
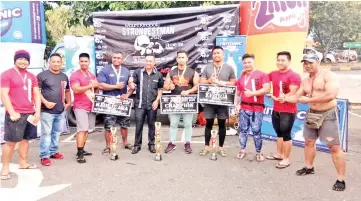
(47, 97)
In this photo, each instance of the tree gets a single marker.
(332, 23)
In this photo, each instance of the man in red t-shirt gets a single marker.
(19, 94)
(83, 83)
(285, 82)
(251, 88)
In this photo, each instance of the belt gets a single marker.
(253, 104)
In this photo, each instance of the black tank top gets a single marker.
(181, 84)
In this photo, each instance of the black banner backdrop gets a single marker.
(173, 104)
(216, 95)
(163, 32)
(112, 105)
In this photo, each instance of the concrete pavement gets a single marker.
(192, 177)
(350, 85)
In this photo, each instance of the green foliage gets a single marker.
(333, 23)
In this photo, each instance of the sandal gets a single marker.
(29, 167)
(204, 152)
(5, 177)
(106, 151)
(241, 155)
(281, 165)
(222, 152)
(273, 157)
(305, 171)
(259, 157)
(339, 186)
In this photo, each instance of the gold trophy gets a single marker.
(158, 156)
(113, 144)
(213, 145)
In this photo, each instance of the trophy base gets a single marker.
(214, 157)
(114, 157)
(158, 157)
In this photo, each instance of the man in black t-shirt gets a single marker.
(55, 99)
(181, 80)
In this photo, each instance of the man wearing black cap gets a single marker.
(19, 94)
(320, 90)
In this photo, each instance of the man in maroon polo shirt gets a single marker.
(19, 94)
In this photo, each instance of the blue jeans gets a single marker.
(174, 120)
(51, 128)
(246, 124)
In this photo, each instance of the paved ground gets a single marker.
(192, 177)
(350, 85)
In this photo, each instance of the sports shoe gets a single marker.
(170, 148)
(80, 157)
(45, 161)
(187, 148)
(305, 171)
(57, 156)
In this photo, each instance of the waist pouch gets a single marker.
(315, 120)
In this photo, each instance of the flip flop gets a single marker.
(282, 166)
(106, 151)
(274, 158)
(241, 155)
(5, 177)
(29, 167)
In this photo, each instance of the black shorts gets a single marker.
(215, 111)
(112, 120)
(282, 123)
(20, 129)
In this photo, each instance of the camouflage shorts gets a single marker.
(111, 121)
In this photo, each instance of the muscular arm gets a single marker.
(293, 90)
(78, 89)
(331, 90)
(266, 88)
(37, 99)
(294, 98)
(205, 81)
(194, 89)
(43, 100)
(160, 92)
(67, 96)
(107, 87)
(236, 100)
(166, 85)
(6, 101)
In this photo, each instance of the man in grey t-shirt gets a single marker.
(221, 74)
(55, 99)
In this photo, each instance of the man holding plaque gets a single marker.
(221, 74)
(83, 83)
(251, 88)
(148, 83)
(113, 80)
(285, 82)
(181, 80)
(19, 94)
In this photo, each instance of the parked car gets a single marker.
(330, 58)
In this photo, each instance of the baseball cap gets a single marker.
(310, 58)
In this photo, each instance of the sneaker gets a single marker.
(45, 161)
(80, 157)
(170, 148)
(187, 148)
(57, 156)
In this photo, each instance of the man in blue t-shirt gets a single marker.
(113, 80)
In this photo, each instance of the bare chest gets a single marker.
(314, 85)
